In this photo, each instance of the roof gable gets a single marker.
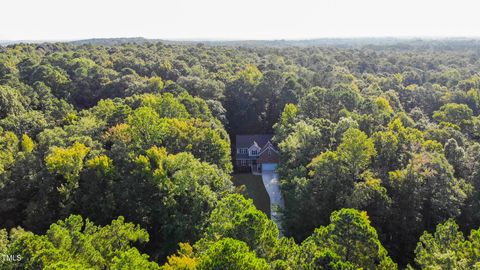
(268, 146)
(245, 141)
(254, 146)
(269, 155)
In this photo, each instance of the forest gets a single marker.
(118, 155)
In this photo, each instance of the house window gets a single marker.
(254, 152)
(243, 162)
(243, 150)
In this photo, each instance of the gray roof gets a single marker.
(245, 156)
(266, 145)
(245, 141)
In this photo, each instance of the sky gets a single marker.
(236, 20)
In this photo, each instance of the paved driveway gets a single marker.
(272, 185)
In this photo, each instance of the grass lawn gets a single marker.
(254, 190)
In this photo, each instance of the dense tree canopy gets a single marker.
(447, 248)
(379, 146)
(75, 243)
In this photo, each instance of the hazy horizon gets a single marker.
(229, 20)
(259, 39)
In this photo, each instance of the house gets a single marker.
(256, 153)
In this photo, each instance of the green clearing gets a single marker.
(254, 189)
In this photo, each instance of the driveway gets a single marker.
(272, 185)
